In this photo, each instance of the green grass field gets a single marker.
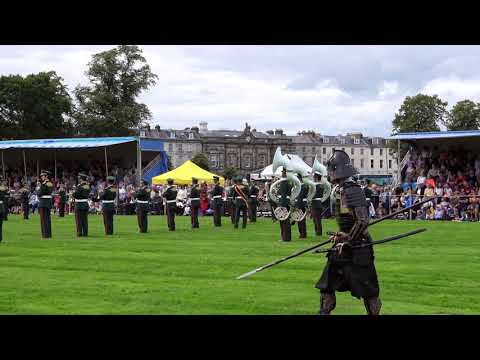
(193, 272)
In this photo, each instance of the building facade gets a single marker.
(251, 150)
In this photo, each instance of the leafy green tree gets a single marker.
(35, 106)
(201, 160)
(465, 115)
(230, 173)
(108, 107)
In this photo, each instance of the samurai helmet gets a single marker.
(339, 166)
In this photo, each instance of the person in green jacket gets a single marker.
(45, 203)
(108, 197)
(81, 194)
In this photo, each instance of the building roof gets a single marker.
(435, 135)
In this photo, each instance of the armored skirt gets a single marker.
(353, 270)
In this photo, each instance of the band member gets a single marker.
(217, 201)
(253, 202)
(62, 194)
(24, 197)
(301, 203)
(143, 197)
(45, 204)
(317, 208)
(241, 202)
(81, 194)
(3, 196)
(194, 203)
(231, 196)
(170, 196)
(108, 197)
(285, 190)
(273, 204)
(349, 269)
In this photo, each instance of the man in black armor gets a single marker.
(142, 196)
(170, 196)
(347, 268)
(81, 195)
(301, 203)
(194, 203)
(217, 201)
(317, 207)
(108, 197)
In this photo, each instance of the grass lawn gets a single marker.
(193, 272)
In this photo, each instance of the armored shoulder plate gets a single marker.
(354, 195)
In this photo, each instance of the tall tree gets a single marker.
(35, 106)
(420, 113)
(230, 173)
(201, 160)
(108, 106)
(465, 115)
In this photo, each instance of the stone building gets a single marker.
(250, 150)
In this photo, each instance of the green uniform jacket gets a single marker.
(170, 195)
(238, 201)
(143, 194)
(300, 201)
(317, 204)
(3, 198)
(24, 194)
(195, 196)
(285, 191)
(109, 194)
(63, 196)
(82, 192)
(45, 195)
(217, 194)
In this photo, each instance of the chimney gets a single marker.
(194, 129)
(270, 132)
(279, 132)
(203, 126)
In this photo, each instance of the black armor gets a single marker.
(339, 166)
(347, 268)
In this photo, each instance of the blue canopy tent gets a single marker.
(122, 148)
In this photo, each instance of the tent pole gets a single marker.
(38, 168)
(55, 161)
(139, 162)
(3, 166)
(398, 162)
(106, 162)
(24, 165)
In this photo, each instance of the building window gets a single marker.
(361, 163)
(304, 149)
(375, 141)
(172, 134)
(356, 141)
(247, 161)
(313, 149)
(325, 140)
(371, 151)
(170, 147)
(381, 164)
(214, 160)
(371, 164)
(353, 162)
(179, 147)
(324, 151)
(262, 160)
(389, 164)
(190, 136)
(381, 152)
(361, 151)
(352, 151)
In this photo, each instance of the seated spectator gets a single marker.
(430, 181)
(439, 212)
(421, 179)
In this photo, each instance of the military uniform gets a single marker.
(217, 203)
(24, 196)
(241, 204)
(44, 207)
(317, 209)
(108, 197)
(81, 195)
(231, 198)
(301, 203)
(143, 207)
(285, 190)
(62, 194)
(253, 203)
(170, 196)
(194, 205)
(349, 269)
(3, 196)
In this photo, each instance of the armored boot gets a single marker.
(327, 303)
(373, 305)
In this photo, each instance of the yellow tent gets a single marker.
(184, 173)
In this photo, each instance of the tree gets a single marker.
(420, 113)
(465, 115)
(230, 173)
(35, 106)
(201, 160)
(109, 106)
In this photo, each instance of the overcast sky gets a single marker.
(330, 89)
